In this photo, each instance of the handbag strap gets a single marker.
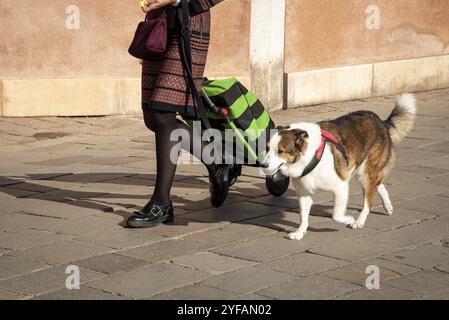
(186, 55)
(163, 15)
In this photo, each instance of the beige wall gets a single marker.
(229, 50)
(35, 44)
(331, 33)
(329, 54)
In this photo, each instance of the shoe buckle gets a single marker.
(156, 211)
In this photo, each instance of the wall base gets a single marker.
(72, 97)
(368, 80)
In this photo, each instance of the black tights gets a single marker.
(162, 124)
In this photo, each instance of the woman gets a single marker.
(165, 94)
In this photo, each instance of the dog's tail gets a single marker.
(402, 119)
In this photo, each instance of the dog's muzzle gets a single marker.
(273, 171)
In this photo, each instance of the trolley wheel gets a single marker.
(277, 184)
(234, 172)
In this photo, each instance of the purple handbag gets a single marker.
(150, 39)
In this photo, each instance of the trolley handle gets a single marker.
(213, 107)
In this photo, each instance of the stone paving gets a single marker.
(68, 184)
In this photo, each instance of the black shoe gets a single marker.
(219, 184)
(151, 215)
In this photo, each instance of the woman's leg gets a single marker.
(162, 124)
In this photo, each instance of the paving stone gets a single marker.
(396, 267)
(149, 280)
(304, 264)
(425, 257)
(194, 292)
(122, 239)
(384, 293)
(443, 268)
(5, 181)
(80, 226)
(13, 266)
(425, 282)
(356, 273)
(45, 281)
(329, 231)
(442, 296)
(92, 177)
(263, 249)
(183, 227)
(231, 213)
(412, 190)
(212, 263)
(27, 239)
(31, 187)
(247, 280)
(110, 263)
(61, 252)
(10, 204)
(354, 250)
(287, 201)
(13, 222)
(113, 160)
(439, 163)
(253, 297)
(433, 204)
(69, 210)
(17, 193)
(84, 293)
(414, 235)
(409, 156)
(287, 221)
(165, 250)
(399, 176)
(9, 295)
(3, 251)
(427, 171)
(442, 180)
(201, 202)
(314, 287)
(228, 234)
(66, 195)
(379, 221)
(442, 147)
(56, 162)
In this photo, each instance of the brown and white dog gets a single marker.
(325, 156)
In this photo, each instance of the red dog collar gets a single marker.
(326, 136)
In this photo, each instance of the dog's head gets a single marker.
(286, 148)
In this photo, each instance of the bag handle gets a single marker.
(186, 55)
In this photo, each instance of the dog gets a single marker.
(326, 155)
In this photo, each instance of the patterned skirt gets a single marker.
(164, 81)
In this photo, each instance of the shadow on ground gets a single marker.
(20, 188)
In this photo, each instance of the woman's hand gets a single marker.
(151, 5)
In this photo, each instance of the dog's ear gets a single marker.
(280, 128)
(303, 135)
(300, 137)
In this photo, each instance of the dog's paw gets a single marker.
(357, 225)
(347, 220)
(389, 209)
(297, 235)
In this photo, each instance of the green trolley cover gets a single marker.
(245, 110)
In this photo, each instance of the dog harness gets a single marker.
(326, 136)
